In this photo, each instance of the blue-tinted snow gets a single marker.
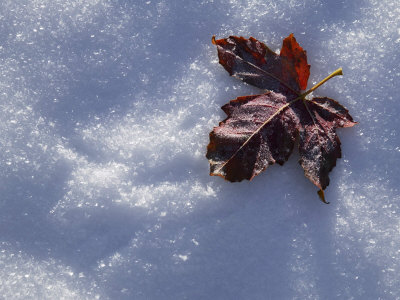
(105, 112)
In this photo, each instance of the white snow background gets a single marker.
(105, 192)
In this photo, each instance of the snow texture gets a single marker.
(105, 112)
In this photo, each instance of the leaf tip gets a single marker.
(322, 196)
(213, 40)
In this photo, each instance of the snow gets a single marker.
(105, 112)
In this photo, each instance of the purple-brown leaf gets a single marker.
(261, 130)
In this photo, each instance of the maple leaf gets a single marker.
(261, 130)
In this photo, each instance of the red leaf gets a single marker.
(262, 129)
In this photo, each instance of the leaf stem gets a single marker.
(333, 74)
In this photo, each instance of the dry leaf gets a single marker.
(261, 130)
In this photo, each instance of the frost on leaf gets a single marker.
(261, 130)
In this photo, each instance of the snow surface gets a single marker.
(105, 112)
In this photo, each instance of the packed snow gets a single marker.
(106, 107)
